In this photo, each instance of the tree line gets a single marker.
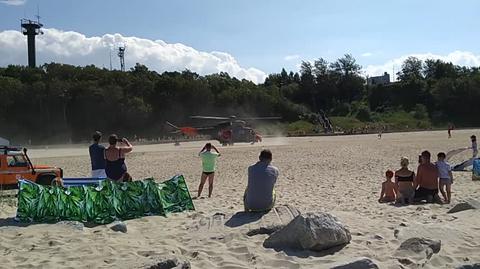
(61, 103)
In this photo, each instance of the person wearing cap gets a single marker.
(97, 156)
(262, 177)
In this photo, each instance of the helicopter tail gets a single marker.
(172, 125)
(189, 131)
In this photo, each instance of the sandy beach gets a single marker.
(340, 175)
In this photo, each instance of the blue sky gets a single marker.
(261, 34)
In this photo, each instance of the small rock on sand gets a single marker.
(420, 246)
(119, 226)
(73, 224)
(467, 205)
(310, 231)
(264, 230)
(363, 263)
(173, 263)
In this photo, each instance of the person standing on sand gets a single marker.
(474, 147)
(426, 182)
(446, 177)
(97, 156)
(209, 163)
(116, 169)
(262, 176)
(404, 179)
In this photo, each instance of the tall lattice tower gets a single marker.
(31, 29)
(121, 55)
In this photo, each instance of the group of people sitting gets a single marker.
(425, 185)
(110, 162)
(260, 192)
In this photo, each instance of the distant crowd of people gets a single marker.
(425, 185)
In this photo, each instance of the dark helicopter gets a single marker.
(227, 130)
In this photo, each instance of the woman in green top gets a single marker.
(209, 162)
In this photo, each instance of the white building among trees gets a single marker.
(379, 80)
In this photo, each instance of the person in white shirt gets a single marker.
(446, 177)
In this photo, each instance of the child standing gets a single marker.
(388, 189)
(446, 177)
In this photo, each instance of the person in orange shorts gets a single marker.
(388, 193)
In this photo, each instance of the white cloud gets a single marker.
(462, 58)
(77, 49)
(291, 57)
(366, 54)
(13, 2)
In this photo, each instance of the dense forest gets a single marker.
(61, 103)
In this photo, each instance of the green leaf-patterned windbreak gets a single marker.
(104, 203)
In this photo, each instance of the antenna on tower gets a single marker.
(110, 51)
(121, 55)
(38, 13)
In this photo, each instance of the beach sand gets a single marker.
(339, 175)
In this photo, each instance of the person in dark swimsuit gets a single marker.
(404, 179)
(116, 169)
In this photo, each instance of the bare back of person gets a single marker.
(404, 180)
(114, 153)
(389, 188)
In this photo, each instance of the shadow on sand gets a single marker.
(242, 218)
(13, 222)
(310, 253)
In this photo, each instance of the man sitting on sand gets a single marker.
(262, 176)
(426, 182)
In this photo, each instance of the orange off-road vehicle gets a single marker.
(15, 165)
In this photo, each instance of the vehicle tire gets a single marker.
(47, 180)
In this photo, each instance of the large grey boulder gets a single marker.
(467, 205)
(310, 231)
(363, 263)
(419, 247)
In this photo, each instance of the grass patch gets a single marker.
(300, 127)
(401, 120)
(346, 123)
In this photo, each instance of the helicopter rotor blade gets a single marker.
(262, 118)
(208, 118)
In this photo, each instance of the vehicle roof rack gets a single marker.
(10, 148)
